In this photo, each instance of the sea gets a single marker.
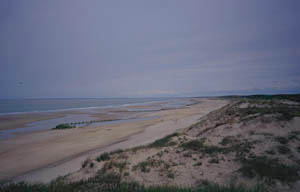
(21, 106)
(15, 106)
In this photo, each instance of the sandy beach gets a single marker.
(44, 155)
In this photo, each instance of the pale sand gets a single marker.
(42, 156)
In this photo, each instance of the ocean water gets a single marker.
(51, 123)
(15, 106)
(8, 106)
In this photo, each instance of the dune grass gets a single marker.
(112, 183)
(163, 142)
(269, 169)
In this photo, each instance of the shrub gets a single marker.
(282, 140)
(197, 164)
(116, 151)
(283, 149)
(270, 152)
(198, 145)
(170, 175)
(269, 169)
(163, 141)
(214, 160)
(293, 135)
(92, 164)
(64, 126)
(103, 157)
(227, 140)
(85, 163)
(194, 145)
(144, 165)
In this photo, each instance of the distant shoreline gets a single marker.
(105, 104)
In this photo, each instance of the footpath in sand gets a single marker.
(45, 155)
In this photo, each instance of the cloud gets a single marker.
(143, 48)
(157, 92)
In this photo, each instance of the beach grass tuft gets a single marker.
(112, 183)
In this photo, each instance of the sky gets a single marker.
(157, 48)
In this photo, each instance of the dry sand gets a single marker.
(42, 156)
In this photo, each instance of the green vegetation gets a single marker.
(241, 149)
(194, 145)
(269, 169)
(285, 112)
(111, 164)
(116, 151)
(92, 164)
(260, 105)
(107, 156)
(112, 183)
(85, 163)
(103, 157)
(88, 162)
(291, 97)
(73, 124)
(271, 152)
(121, 165)
(64, 126)
(298, 149)
(163, 142)
(197, 164)
(145, 166)
(294, 135)
(214, 160)
(228, 140)
(282, 140)
(171, 175)
(283, 149)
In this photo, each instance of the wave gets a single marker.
(85, 108)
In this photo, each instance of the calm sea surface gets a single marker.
(35, 105)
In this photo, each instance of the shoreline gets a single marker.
(89, 108)
(17, 120)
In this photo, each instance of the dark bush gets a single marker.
(103, 157)
(269, 169)
(64, 126)
(282, 140)
(283, 149)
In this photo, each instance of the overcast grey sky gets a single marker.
(94, 48)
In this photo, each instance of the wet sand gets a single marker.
(18, 121)
(44, 155)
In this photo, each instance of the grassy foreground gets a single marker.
(112, 183)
